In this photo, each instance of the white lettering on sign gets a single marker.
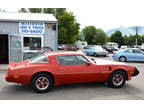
(31, 28)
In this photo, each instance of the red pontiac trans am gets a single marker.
(54, 68)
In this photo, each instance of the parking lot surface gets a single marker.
(133, 89)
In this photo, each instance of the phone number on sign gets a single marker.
(32, 31)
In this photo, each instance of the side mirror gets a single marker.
(88, 63)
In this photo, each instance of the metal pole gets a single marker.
(136, 35)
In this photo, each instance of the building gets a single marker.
(21, 32)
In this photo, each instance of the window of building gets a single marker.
(32, 43)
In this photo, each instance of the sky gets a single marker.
(105, 14)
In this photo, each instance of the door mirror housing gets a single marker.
(89, 63)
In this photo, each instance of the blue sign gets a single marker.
(36, 28)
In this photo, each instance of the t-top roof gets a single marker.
(5, 16)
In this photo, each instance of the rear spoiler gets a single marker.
(12, 64)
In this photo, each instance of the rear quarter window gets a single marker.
(40, 59)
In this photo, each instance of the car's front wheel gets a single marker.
(117, 79)
(42, 83)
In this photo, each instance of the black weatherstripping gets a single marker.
(136, 72)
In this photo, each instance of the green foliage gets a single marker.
(94, 36)
(108, 39)
(89, 33)
(117, 38)
(22, 10)
(100, 37)
(131, 40)
(55, 11)
(35, 10)
(68, 28)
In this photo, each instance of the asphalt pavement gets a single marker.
(133, 89)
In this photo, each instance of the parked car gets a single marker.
(142, 50)
(64, 67)
(123, 47)
(95, 51)
(110, 49)
(61, 47)
(70, 47)
(129, 54)
(81, 44)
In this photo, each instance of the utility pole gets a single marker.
(136, 35)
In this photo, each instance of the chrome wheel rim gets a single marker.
(117, 79)
(122, 59)
(42, 83)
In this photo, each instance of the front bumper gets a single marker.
(136, 72)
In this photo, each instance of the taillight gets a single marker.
(114, 52)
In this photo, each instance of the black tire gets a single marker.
(122, 59)
(36, 79)
(95, 54)
(113, 82)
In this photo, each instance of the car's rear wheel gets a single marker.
(42, 83)
(122, 59)
(117, 79)
(95, 54)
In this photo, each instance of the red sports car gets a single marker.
(65, 67)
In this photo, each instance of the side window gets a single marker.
(72, 60)
(40, 59)
(138, 51)
(129, 51)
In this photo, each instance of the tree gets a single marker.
(22, 10)
(68, 28)
(35, 10)
(142, 38)
(89, 33)
(100, 37)
(55, 11)
(131, 40)
(94, 36)
(108, 39)
(117, 38)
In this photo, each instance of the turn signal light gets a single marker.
(16, 76)
(131, 72)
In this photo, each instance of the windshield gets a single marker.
(42, 58)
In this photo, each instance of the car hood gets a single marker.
(107, 62)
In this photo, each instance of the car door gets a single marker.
(75, 69)
(129, 54)
(139, 55)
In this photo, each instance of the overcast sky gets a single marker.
(105, 14)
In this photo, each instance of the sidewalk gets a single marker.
(3, 67)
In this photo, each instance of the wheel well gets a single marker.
(122, 70)
(43, 72)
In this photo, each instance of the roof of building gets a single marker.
(6, 16)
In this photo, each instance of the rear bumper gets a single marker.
(136, 72)
(17, 79)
